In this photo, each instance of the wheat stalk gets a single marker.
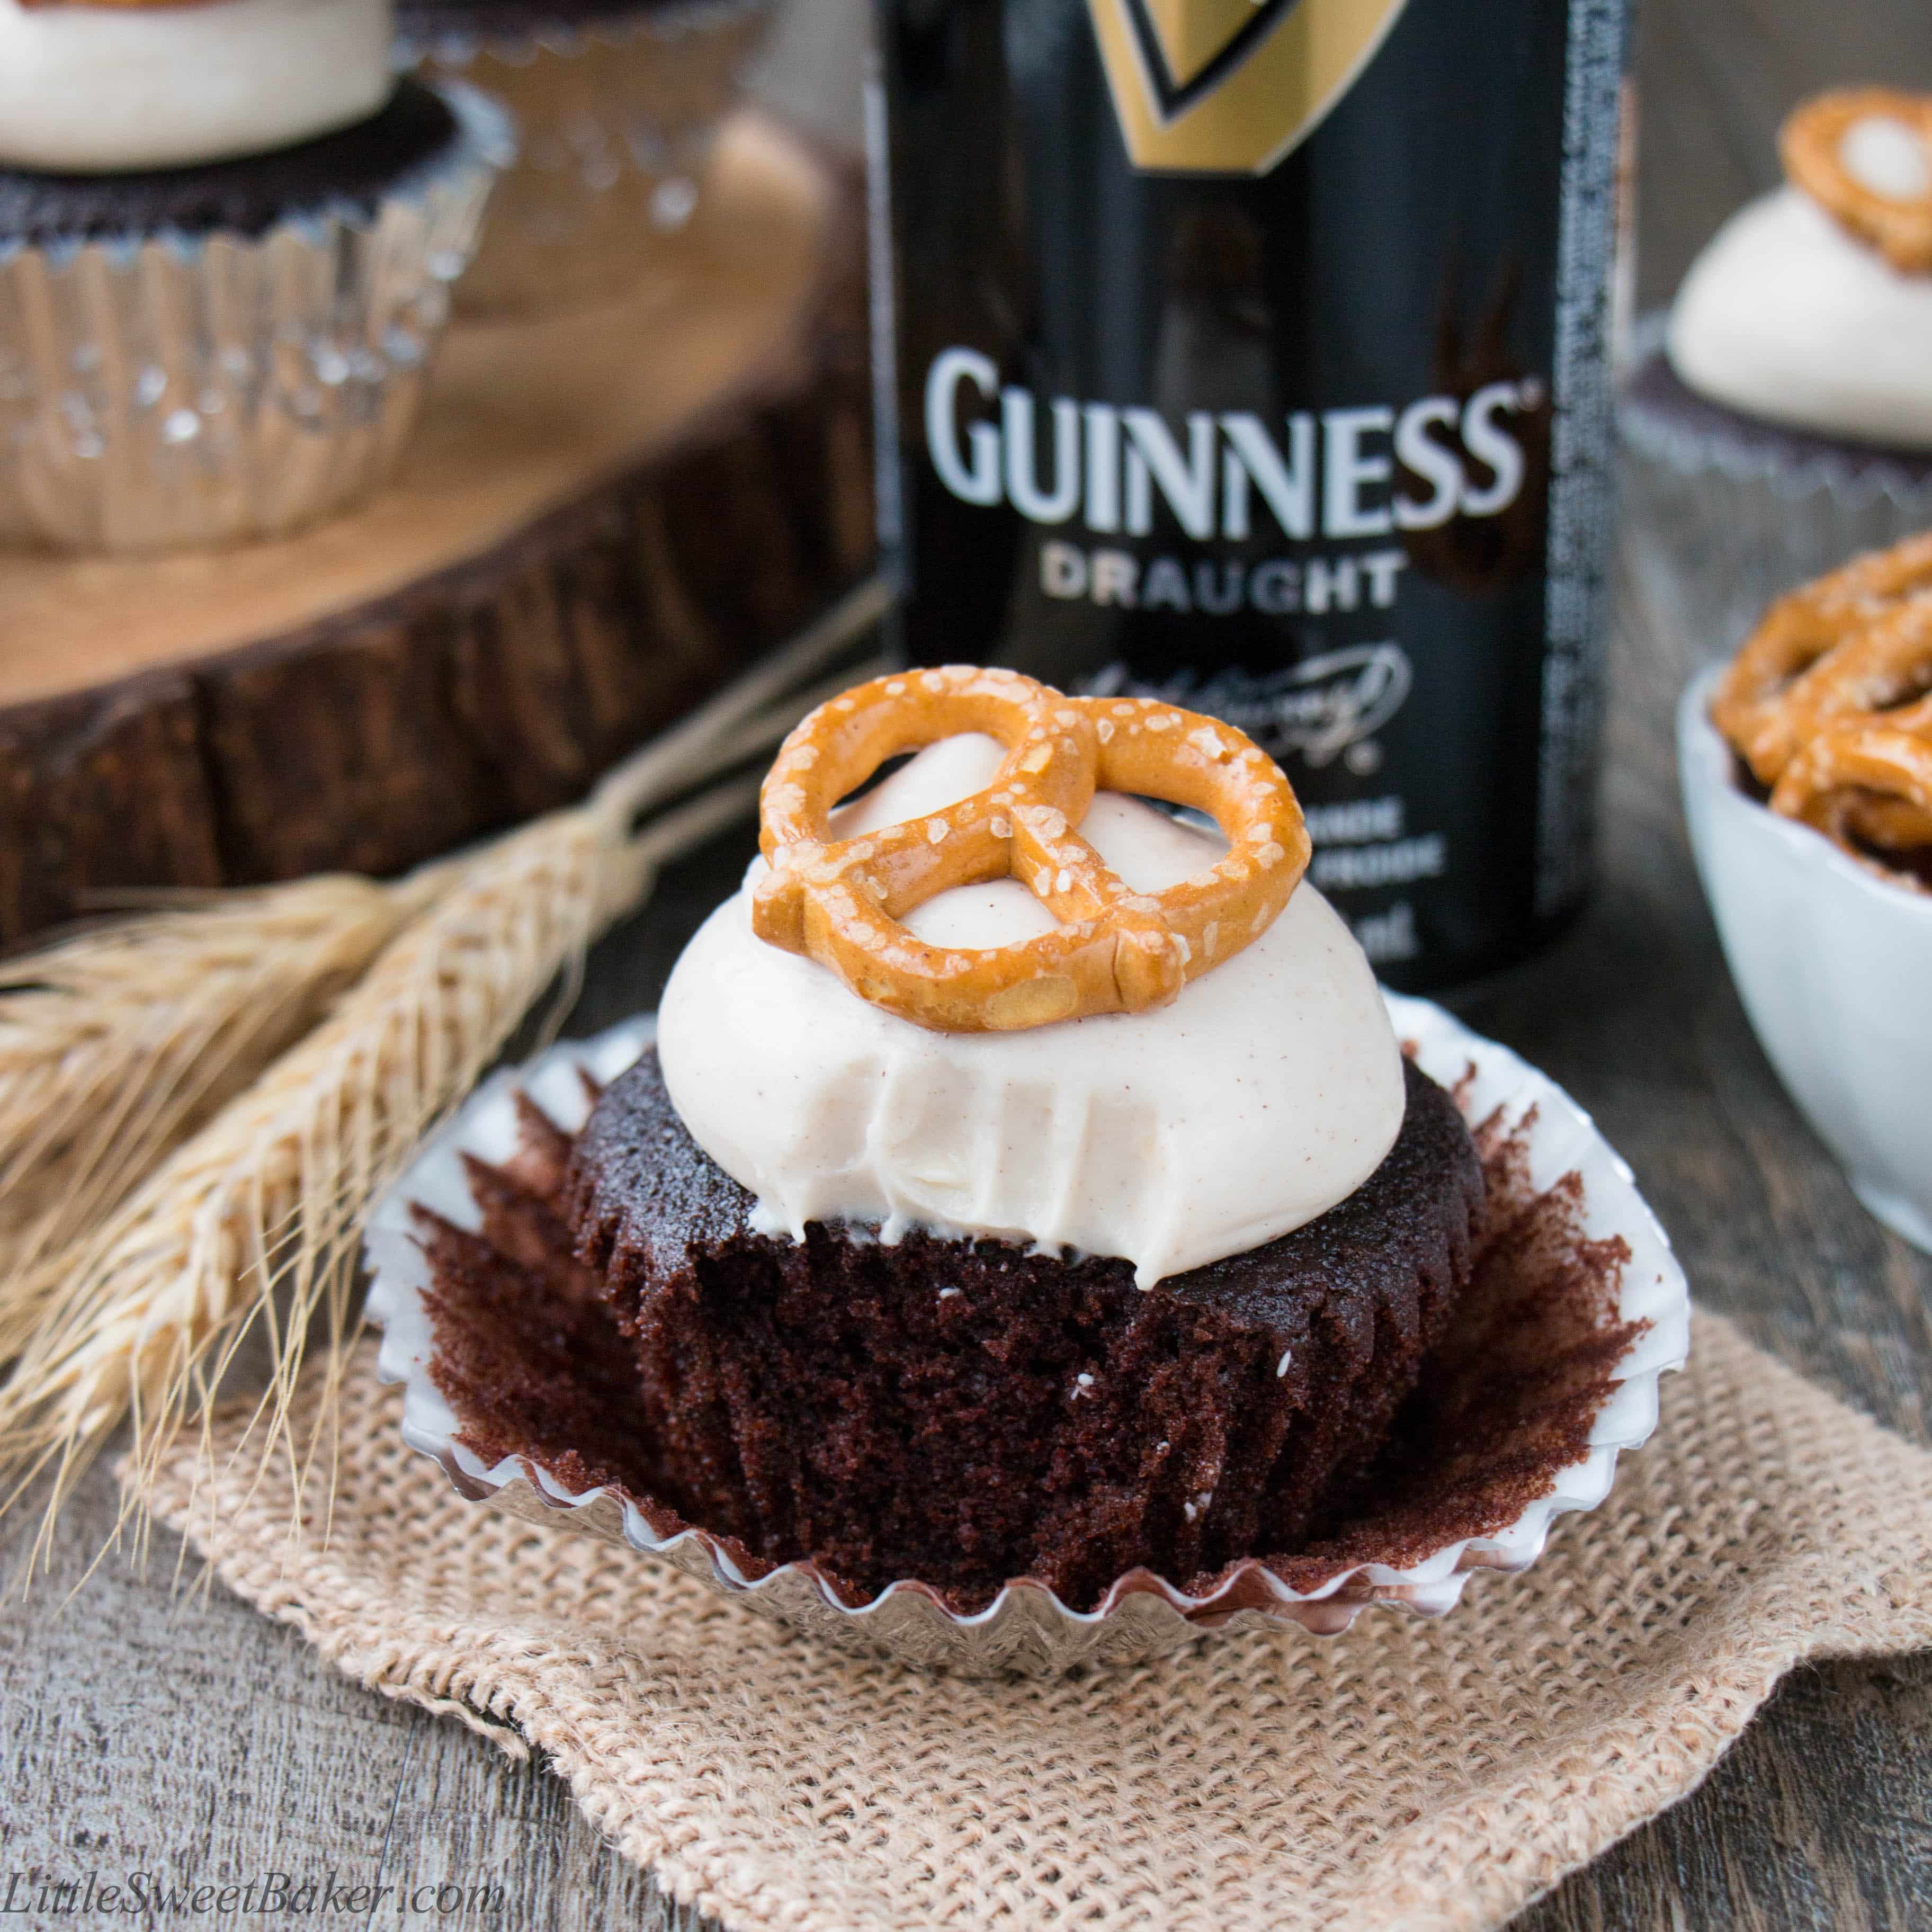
(116, 1043)
(247, 1220)
(253, 1219)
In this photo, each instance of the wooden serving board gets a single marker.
(601, 516)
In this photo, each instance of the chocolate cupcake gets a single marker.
(226, 237)
(1780, 418)
(970, 1410)
(986, 1294)
(617, 102)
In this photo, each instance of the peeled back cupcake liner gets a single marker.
(1027, 1629)
(175, 391)
(1732, 514)
(617, 115)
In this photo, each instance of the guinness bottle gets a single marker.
(1253, 353)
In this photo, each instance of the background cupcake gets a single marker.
(1780, 417)
(617, 104)
(226, 236)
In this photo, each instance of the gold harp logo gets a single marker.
(1231, 86)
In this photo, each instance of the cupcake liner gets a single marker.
(1027, 1629)
(1730, 515)
(616, 117)
(171, 390)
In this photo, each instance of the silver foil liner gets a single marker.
(1028, 1630)
(173, 391)
(615, 119)
(1725, 520)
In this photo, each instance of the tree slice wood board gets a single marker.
(603, 515)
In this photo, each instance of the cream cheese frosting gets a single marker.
(1787, 317)
(1269, 1091)
(103, 90)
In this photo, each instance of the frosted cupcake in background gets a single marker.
(226, 237)
(1779, 420)
(616, 103)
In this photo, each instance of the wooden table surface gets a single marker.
(144, 1729)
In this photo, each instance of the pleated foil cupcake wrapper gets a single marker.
(1729, 521)
(1027, 1629)
(176, 391)
(615, 121)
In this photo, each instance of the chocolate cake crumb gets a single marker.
(820, 1398)
(539, 1356)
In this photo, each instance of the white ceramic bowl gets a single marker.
(1835, 967)
(1028, 1628)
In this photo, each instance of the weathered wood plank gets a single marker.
(605, 516)
(186, 1737)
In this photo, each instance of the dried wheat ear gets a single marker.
(198, 1102)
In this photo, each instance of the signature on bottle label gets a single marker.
(1323, 709)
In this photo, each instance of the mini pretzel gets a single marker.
(1811, 144)
(840, 901)
(1780, 687)
(1882, 663)
(1868, 788)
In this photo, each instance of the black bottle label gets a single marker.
(1254, 355)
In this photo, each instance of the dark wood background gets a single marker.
(141, 1729)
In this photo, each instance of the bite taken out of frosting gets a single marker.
(1270, 1090)
(1787, 317)
(119, 89)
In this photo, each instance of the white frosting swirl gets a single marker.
(106, 90)
(1270, 1090)
(1787, 317)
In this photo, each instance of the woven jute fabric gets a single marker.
(1407, 1774)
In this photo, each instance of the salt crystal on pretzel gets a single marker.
(840, 901)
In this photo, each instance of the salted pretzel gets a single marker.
(1868, 788)
(840, 901)
(1859, 639)
(1811, 144)
(1829, 703)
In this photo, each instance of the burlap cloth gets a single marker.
(1408, 1775)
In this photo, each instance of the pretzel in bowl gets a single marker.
(1812, 146)
(840, 901)
(1829, 703)
(1857, 640)
(1868, 788)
